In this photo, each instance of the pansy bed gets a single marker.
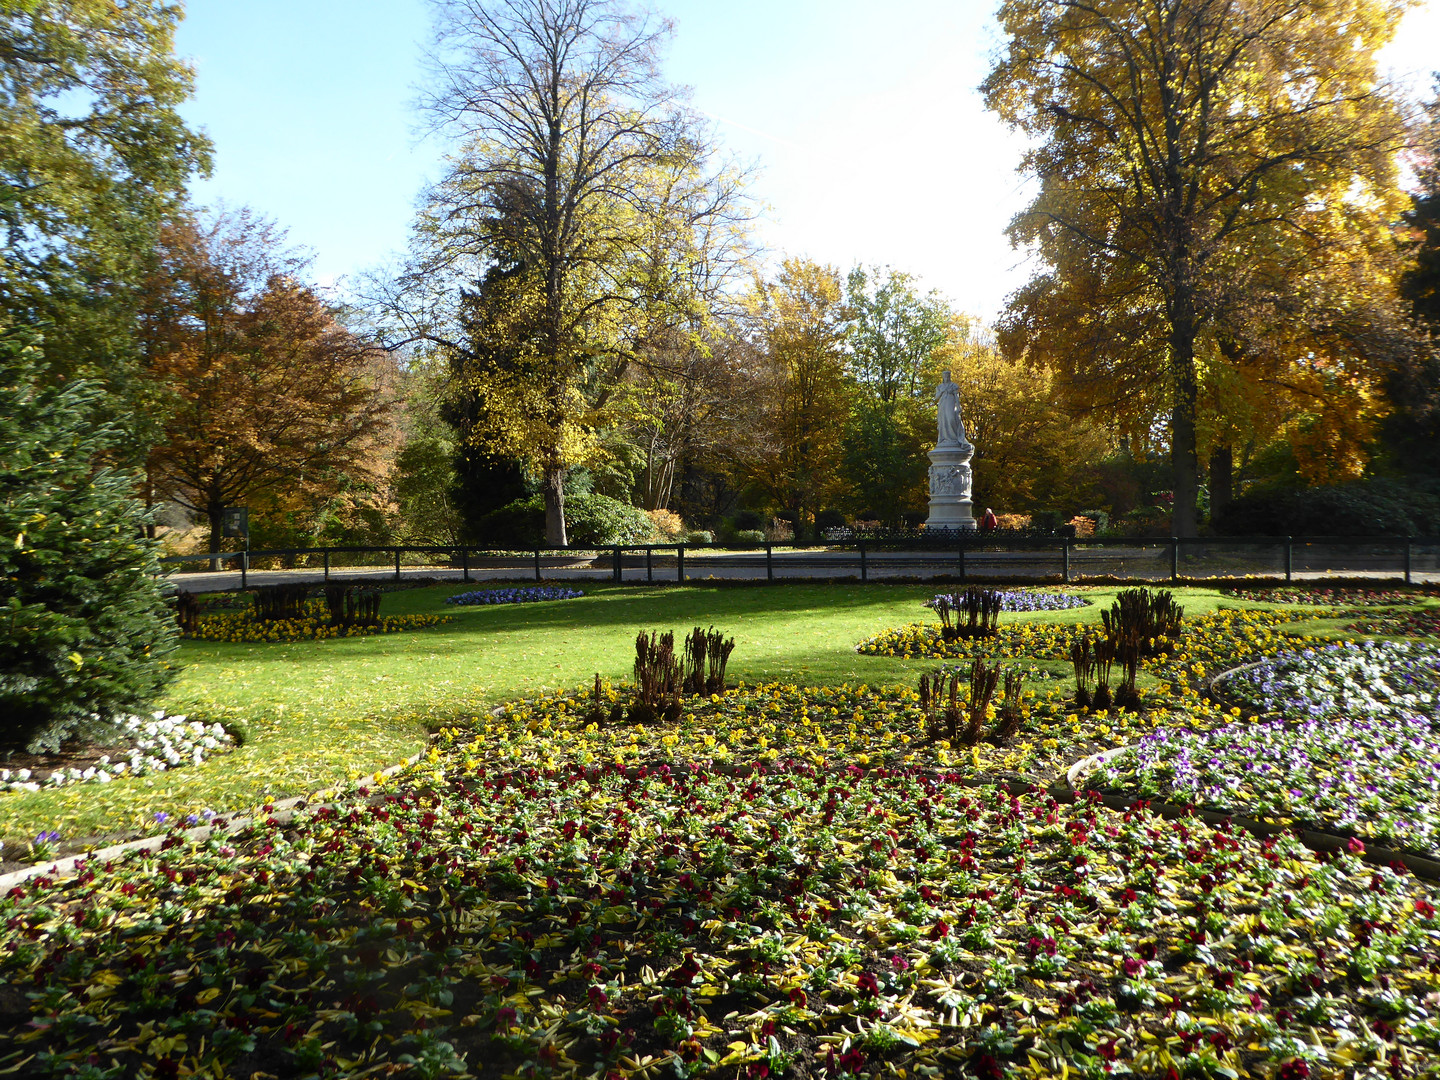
(585, 922)
(1421, 622)
(523, 595)
(316, 625)
(827, 727)
(1022, 600)
(1216, 640)
(1352, 748)
(136, 746)
(1321, 596)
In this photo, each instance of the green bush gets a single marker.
(750, 536)
(85, 623)
(590, 521)
(1360, 508)
(829, 519)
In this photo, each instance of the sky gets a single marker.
(869, 140)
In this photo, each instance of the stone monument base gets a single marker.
(950, 507)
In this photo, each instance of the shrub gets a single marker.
(829, 519)
(668, 525)
(1361, 508)
(86, 623)
(590, 521)
(699, 536)
(750, 536)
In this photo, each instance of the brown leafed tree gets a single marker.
(269, 391)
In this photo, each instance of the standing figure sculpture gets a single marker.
(947, 398)
(950, 476)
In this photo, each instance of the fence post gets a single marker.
(864, 572)
(680, 562)
(465, 564)
(1174, 558)
(244, 566)
(618, 574)
(1289, 559)
(649, 563)
(1065, 559)
(397, 564)
(327, 564)
(537, 564)
(1408, 558)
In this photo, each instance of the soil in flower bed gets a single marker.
(582, 922)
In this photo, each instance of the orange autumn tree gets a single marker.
(271, 395)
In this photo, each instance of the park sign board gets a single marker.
(237, 521)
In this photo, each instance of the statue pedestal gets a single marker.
(950, 487)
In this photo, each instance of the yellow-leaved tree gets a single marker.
(1208, 170)
(802, 386)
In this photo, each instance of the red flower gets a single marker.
(1295, 1070)
(867, 984)
(685, 974)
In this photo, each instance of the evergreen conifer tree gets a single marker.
(84, 627)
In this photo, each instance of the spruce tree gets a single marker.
(84, 626)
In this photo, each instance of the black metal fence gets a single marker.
(971, 557)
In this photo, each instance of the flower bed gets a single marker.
(1379, 779)
(243, 626)
(1220, 639)
(574, 922)
(1327, 597)
(1373, 678)
(525, 595)
(1011, 641)
(1353, 750)
(1422, 623)
(1023, 600)
(142, 746)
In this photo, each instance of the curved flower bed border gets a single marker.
(1069, 789)
(282, 811)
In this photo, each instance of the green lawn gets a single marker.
(316, 713)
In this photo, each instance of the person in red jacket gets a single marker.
(989, 522)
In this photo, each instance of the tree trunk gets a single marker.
(215, 514)
(1184, 457)
(1222, 480)
(555, 507)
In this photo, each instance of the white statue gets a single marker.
(947, 397)
(950, 480)
(950, 476)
